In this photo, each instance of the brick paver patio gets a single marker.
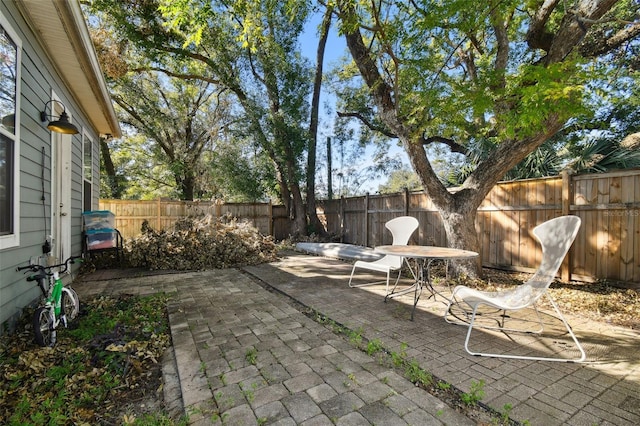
(246, 355)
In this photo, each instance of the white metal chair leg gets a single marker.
(363, 284)
(399, 274)
(582, 357)
(501, 327)
(376, 282)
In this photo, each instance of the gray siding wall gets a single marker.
(37, 83)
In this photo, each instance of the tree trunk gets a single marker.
(315, 226)
(460, 229)
(110, 170)
(300, 217)
(187, 186)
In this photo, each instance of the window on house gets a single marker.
(8, 135)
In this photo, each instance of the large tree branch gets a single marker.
(499, 25)
(453, 145)
(182, 76)
(142, 124)
(574, 26)
(505, 157)
(381, 129)
(537, 36)
(606, 45)
(383, 97)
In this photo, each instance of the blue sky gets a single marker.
(334, 51)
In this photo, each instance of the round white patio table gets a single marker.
(423, 256)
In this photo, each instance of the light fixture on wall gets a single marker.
(62, 124)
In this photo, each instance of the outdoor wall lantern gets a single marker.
(62, 124)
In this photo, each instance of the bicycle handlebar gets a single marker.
(47, 269)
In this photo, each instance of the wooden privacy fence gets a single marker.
(607, 246)
(162, 214)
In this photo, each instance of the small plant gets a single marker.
(249, 393)
(416, 374)
(251, 356)
(355, 336)
(374, 346)
(475, 394)
(443, 385)
(398, 358)
(506, 412)
(268, 378)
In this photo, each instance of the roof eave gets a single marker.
(61, 27)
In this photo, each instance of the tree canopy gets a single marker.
(505, 75)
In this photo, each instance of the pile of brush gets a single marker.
(203, 243)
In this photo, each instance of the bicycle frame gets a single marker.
(51, 313)
(56, 294)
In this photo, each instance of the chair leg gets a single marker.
(448, 311)
(582, 357)
(501, 322)
(366, 284)
(395, 285)
(351, 277)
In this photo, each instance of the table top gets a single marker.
(427, 252)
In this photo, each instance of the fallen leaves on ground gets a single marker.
(95, 372)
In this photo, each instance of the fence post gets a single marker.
(567, 196)
(406, 201)
(159, 222)
(341, 218)
(366, 220)
(271, 218)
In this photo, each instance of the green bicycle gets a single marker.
(60, 304)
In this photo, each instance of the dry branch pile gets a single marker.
(197, 244)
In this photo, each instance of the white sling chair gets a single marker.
(555, 236)
(401, 229)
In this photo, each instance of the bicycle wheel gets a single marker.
(43, 326)
(70, 303)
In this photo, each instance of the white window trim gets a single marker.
(13, 240)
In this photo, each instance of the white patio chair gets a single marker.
(555, 236)
(401, 229)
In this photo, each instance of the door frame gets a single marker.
(61, 172)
